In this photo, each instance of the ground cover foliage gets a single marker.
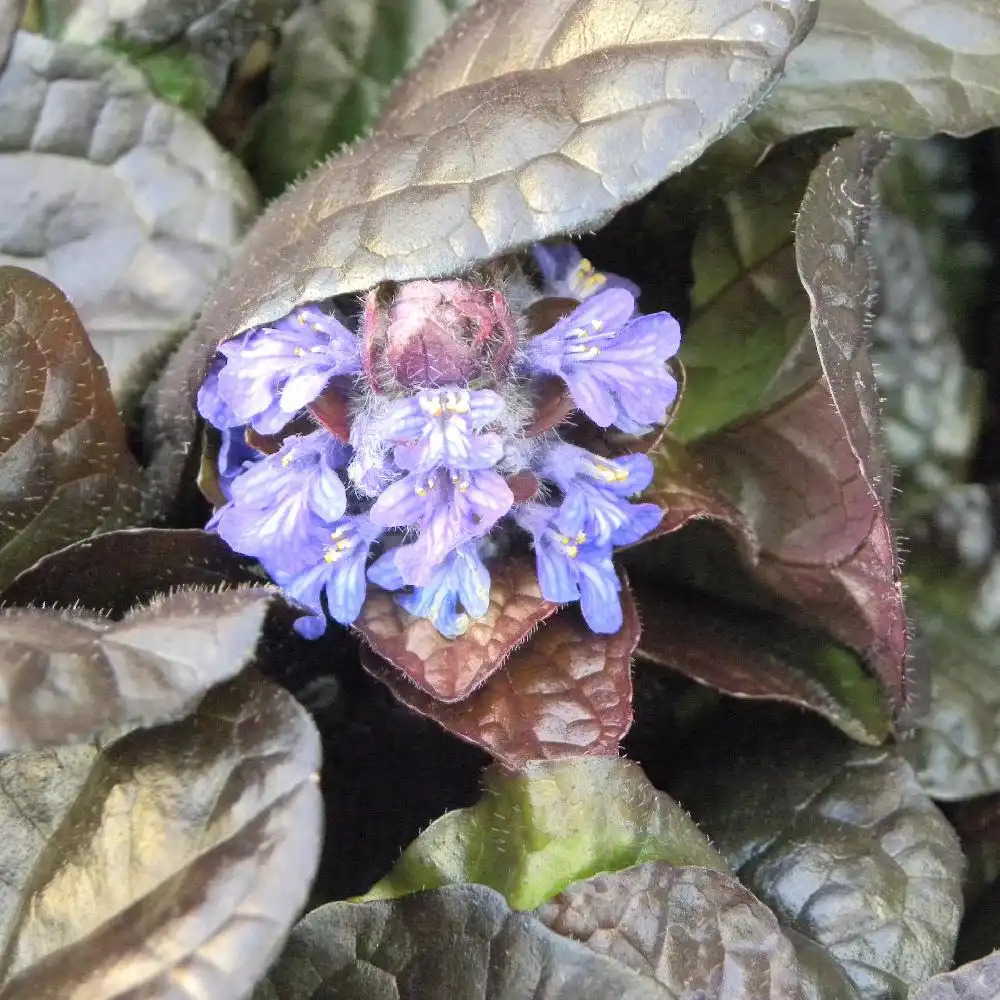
(779, 778)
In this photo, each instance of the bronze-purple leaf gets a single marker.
(803, 486)
(752, 654)
(65, 468)
(567, 692)
(979, 980)
(695, 930)
(64, 676)
(114, 572)
(451, 669)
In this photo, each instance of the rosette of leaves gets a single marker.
(773, 576)
(807, 360)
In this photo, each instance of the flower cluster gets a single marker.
(407, 453)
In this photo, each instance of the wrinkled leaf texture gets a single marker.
(696, 931)
(66, 676)
(534, 832)
(168, 862)
(978, 980)
(459, 942)
(955, 748)
(839, 841)
(912, 67)
(65, 468)
(523, 122)
(125, 202)
(566, 692)
(449, 670)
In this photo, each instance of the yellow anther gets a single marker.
(564, 539)
(301, 318)
(572, 551)
(286, 461)
(597, 324)
(299, 352)
(330, 556)
(581, 537)
(420, 491)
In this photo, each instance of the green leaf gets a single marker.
(175, 76)
(331, 74)
(695, 930)
(749, 309)
(124, 202)
(164, 861)
(65, 468)
(456, 943)
(66, 676)
(839, 841)
(534, 833)
(912, 68)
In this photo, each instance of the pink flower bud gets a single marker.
(437, 333)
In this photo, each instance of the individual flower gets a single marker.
(459, 580)
(438, 428)
(613, 364)
(282, 506)
(270, 373)
(434, 458)
(446, 509)
(338, 574)
(595, 490)
(572, 565)
(566, 273)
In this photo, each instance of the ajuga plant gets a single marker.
(478, 575)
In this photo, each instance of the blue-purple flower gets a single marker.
(614, 364)
(338, 574)
(566, 273)
(456, 591)
(437, 391)
(573, 566)
(595, 491)
(269, 374)
(281, 507)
